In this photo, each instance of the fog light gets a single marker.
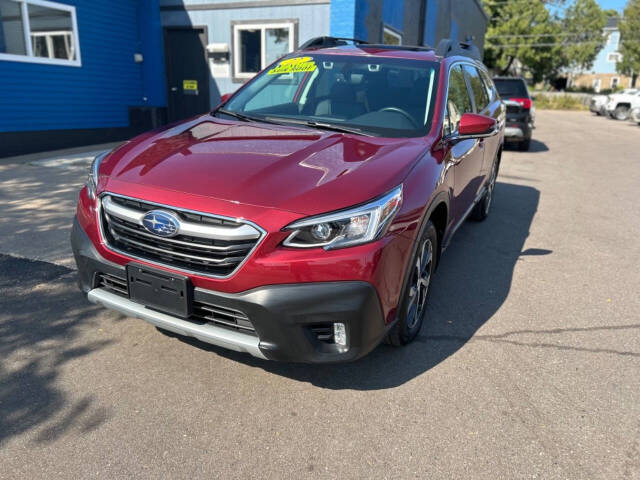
(340, 334)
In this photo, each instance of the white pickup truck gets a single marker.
(598, 104)
(619, 105)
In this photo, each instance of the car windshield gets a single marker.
(384, 97)
(511, 88)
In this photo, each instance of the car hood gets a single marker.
(301, 170)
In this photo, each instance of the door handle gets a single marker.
(174, 89)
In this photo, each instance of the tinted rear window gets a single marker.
(515, 88)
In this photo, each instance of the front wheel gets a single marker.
(415, 294)
(621, 112)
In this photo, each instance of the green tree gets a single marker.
(525, 31)
(582, 33)
(630, 41)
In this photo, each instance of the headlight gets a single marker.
(346, 228)
(92, 179)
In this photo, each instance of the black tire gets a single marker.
(416, 289)
(524, 145)
(483, 207)
(621, 113)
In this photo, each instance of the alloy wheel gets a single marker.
(420, 282)
(490, 187)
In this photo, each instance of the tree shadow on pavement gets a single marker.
(37, 205)
(472, 282)
(40, 319)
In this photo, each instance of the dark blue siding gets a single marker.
(393, 13)
(97, 94)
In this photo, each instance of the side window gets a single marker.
(477, 87)
(458, 101)
(491, 89)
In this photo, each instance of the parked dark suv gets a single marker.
(303, 219)
(520, 110)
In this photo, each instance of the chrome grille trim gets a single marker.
(201, 257)
(229, 248)
(241, 232)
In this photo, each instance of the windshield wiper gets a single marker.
(245, 118)
(325, 126)
(239, 116)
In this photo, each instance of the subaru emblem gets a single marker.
(161, 223)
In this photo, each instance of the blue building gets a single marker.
(76, 72)
(603, 75)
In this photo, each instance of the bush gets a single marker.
(559, 102)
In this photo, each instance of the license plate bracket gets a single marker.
(160, 290)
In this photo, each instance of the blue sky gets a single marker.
(617, 4)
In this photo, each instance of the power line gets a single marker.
(538, 45)
(532, 35)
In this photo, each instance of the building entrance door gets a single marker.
(187, 71)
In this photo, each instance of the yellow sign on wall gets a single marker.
(189, 85)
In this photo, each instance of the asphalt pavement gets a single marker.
(528, 367)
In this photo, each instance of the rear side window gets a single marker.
(511, 88)
(488, 83)
(477, 87)
(458, 101)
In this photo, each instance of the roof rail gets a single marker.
(448, 48)
(412, 48)
(328, 42)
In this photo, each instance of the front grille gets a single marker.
(203, 312)
(205, 244)
(222, 316)
(112, 283)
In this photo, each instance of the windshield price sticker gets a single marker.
(294, 65)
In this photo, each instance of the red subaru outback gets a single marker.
(303, 219)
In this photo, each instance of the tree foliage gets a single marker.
(582, 25)
(525, 32)
(517, 31)
(630, 40)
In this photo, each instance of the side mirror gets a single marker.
(225, 97)
(476, 126)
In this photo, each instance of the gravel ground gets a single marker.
(529, 366)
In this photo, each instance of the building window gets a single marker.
(614, 57)
(596, 85)
(39, 31)
(391, 37)
(614, 38)
(256, 45)
(615, 81)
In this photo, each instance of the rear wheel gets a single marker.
(482, 209)
(415, 295)
(621, 112)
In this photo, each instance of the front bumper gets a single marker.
(285, 317)
(596, 107)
